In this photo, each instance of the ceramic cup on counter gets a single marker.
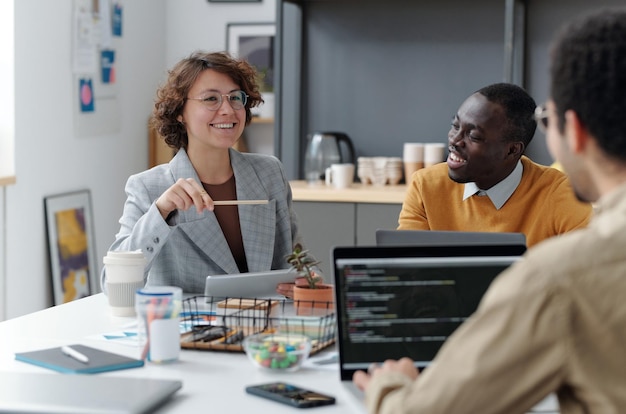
(340, 175)
(433, 153)
(413, 158)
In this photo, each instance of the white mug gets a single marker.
(340, 175)
(124, 275)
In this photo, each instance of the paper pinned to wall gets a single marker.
(106, 24)
(84, 49)
(96, 107)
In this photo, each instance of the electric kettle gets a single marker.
(324, 149)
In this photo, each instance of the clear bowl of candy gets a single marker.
(277, 351)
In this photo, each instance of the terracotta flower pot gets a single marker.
(318, 301)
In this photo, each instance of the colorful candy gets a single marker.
(278, 353)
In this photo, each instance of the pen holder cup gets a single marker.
(158, 316)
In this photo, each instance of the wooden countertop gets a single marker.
(7, 180)
(357, 193)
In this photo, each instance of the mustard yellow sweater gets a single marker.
(542, 206)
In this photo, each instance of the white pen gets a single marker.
(72, 353)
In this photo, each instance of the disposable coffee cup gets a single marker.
(124, 275)
(158, 322)
(412, 158)
(433, 153)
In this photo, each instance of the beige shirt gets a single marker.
(554, 322)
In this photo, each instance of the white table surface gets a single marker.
(212, 380)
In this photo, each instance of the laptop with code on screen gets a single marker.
(402, 301)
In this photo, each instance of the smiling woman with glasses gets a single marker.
(172, 212)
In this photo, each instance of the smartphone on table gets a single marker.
(290, 394)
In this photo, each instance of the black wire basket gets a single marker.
(221, 324)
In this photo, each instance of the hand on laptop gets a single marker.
(286, 289)
(404, 366)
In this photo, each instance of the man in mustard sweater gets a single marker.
(487, 184)
(554, 321)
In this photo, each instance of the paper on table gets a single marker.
(326, 361)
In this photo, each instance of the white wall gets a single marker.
(7, 126)
(7, 90)
(50, 159)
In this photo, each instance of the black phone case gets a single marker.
(287, 397)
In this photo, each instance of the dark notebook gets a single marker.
(99, 361)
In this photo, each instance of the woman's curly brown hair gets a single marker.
(171, 97)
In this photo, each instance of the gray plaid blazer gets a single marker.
(191, 246)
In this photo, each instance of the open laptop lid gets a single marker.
(22, 392)
(406, 300)
(248, 285)
(386, 237)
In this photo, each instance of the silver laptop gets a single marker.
(64, 393)
(436, 238)
(248, 285)
(396, 301)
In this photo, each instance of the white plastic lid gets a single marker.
(119, 257)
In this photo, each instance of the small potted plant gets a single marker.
(314, 294)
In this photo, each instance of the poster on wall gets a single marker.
(117, 20)
(107, 66)
(85, 95)
(71, 248)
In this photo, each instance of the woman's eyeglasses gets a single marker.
(541, 117)
(213, 100)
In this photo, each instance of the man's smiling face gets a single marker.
(478, 150)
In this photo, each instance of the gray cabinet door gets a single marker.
(371, 217)
(324, 225)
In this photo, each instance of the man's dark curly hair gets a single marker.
(519, 108)
(171, 97)
(588, 76)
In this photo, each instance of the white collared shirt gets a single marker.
(499, 193)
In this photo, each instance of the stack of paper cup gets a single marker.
(365, 169)
(393, 170)
(379, 175)
(433, 153)
(413, 158)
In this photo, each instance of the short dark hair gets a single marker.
(171, 97)
(519, 108)
(588, 76)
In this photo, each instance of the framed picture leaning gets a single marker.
(71, 245)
